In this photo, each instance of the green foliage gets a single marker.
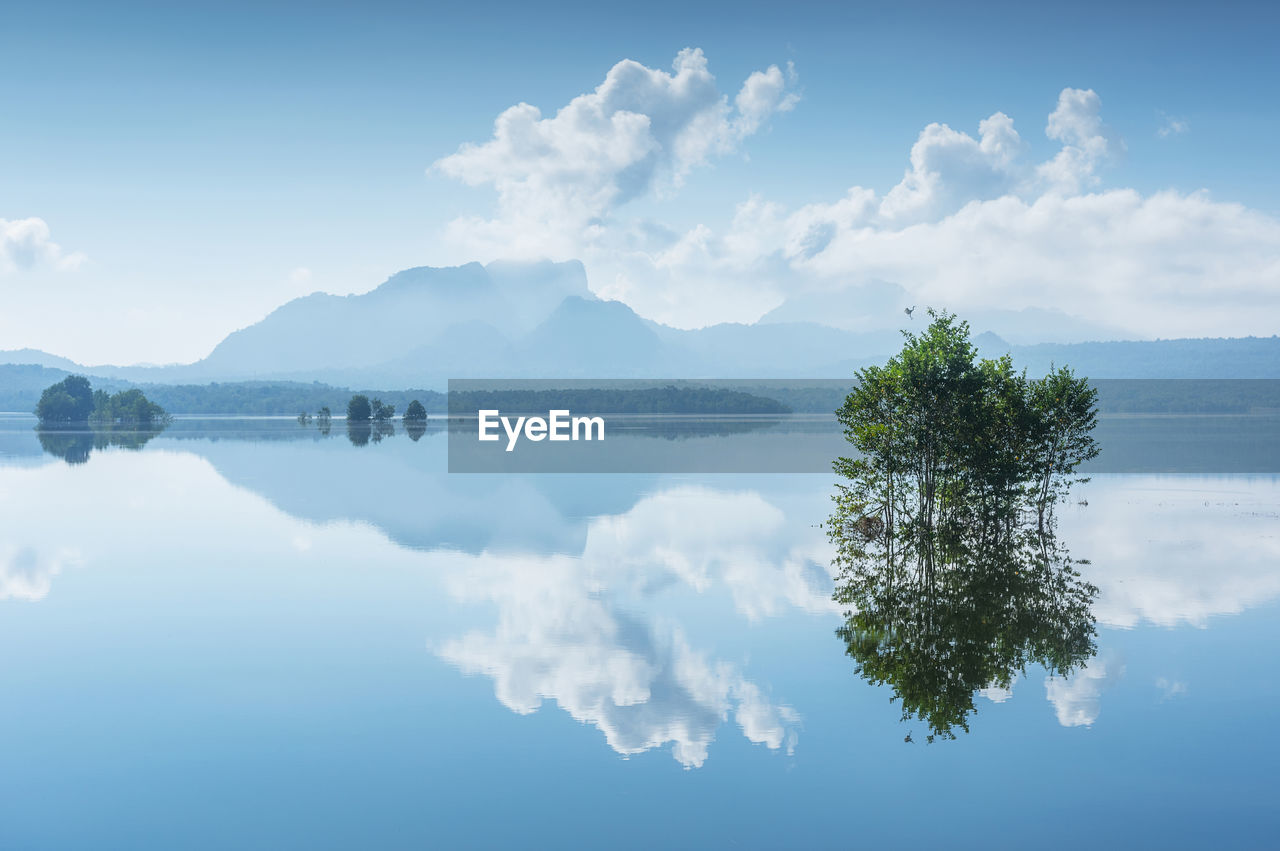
(415, 413)
(949, 585)
(382, 412)
(991, 613)
(359, 409)
(72, 401)
(68, 402)
(127, 408)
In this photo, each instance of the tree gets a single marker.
(946, 589)
(415, 413)
(1065, 411)
(73, 401)
(358, 408)
(382, 412)
(127, 408)
(70, 401)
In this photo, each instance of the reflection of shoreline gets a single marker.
(75, 444)
(797, 443)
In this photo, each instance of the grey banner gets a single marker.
(788, 426)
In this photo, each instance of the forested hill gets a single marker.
(1204, 357)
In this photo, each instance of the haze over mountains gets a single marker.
(425, 325)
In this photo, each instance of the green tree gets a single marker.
(128, 408)
(382, 412)
(934, 560)
(415, 413)
(359, 409)
(1065, 410)
(70, 401)
(996, 609)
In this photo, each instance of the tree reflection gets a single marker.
(358, 432)
(75, 445)
(978, 619)
(362, 432)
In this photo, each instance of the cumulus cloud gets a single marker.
(763, 94)
(974, 224)
(566, 632)
(639, 133)
(1086, 141)
(26, 243)
(561, 637)
(703, 537)
(950, 168)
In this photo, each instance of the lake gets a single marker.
(247, 633)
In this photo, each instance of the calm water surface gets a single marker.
(248, 634)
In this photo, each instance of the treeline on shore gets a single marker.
(1115, 395)
(22, 385)
(670, 399)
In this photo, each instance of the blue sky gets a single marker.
(196, 168)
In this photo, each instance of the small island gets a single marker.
(74, 402)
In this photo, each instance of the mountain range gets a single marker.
(426, 325)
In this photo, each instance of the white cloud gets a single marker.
(639, 133)
(975, 224)
(1086, 141)
(300, 275)
(1150, 538)
(998, 694)
(564, 632)
(1170, 689)
(561, 637)
(949, 169)
(763, 94)
(1077, 699)
(27, 573)
(26, 243)
(704, 537)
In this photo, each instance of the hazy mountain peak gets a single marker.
(37, 358)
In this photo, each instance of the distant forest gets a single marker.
(21, 385)
(649, 400)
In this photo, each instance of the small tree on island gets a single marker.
(359, 408)
(415, 413)
(68, 402)
(382, 412)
